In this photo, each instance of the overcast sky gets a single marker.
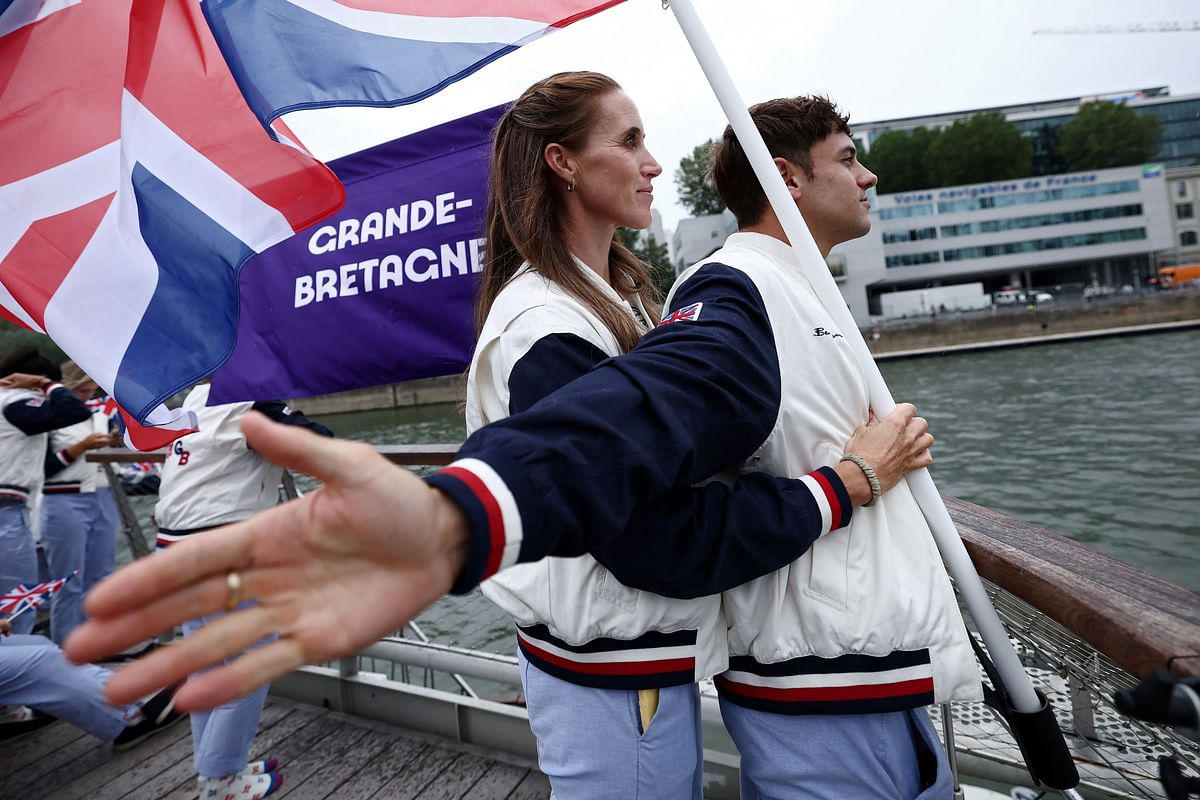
(878, 60)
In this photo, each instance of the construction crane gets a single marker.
(1170, 26)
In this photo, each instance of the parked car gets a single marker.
(1043, 297)
(1092, 292)
(1008, 297)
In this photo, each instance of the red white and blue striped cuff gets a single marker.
(832, 499)
(166, 539)
(493, 519)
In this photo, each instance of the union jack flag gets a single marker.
(134, 184)
(17, 601)
(294, 54)
(103, 404)
(686, 314)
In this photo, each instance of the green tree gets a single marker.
(695, 192)
(984, 147)
(14, 337)
(901, 160)
(1104, 135)
(653, 255)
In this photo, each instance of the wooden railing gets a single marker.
(1139, 621)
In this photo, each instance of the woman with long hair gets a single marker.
(609, 671)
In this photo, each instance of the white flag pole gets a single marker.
(958, 563)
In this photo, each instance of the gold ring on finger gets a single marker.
(233, 591)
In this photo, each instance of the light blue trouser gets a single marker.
(34, 672)
(591, 746)
(18, 557)
(69, 523)
(221, 738)
(101, 556)
(834, 757)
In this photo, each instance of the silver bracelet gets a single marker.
(869, 471)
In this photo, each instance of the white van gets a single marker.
(1008, 297)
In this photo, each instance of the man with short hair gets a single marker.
(833, 658)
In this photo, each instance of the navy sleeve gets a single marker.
(703, 540)
(58, 409)
(552, 363)
(56, 461)
(692, 398)
(279, 412)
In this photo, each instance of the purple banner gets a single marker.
(384, 291)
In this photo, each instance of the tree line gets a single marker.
(979, 149)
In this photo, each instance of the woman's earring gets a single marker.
(571, 185)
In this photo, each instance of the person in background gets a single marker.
(34, 672)
(101, 560)
(32, 403)
(77, 532)
(211, 478)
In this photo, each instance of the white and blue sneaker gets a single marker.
(242, 786)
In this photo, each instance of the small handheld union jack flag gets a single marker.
(686, 314)
(17, 601)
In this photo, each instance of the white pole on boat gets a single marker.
(958, 563)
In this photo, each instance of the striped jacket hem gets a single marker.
(652, 660)
(849, 684)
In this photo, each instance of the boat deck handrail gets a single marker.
(1139, 621)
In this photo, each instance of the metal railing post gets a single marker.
(347, 668)
(129, 521)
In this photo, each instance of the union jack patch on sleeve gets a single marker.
(686, 314)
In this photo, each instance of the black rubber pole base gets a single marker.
(1043, 746)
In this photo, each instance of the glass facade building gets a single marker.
(1179, 118)
(1062, 232)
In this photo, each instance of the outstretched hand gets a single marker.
(331, 572)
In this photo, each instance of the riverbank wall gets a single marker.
(929, 336)
(448, 389)
(1029, 325)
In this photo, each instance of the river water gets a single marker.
(1097, 440)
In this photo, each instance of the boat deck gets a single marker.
(322, 754)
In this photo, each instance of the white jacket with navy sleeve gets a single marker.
(866, 620)
(26, 417)
(575, 620)
(212, 477)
